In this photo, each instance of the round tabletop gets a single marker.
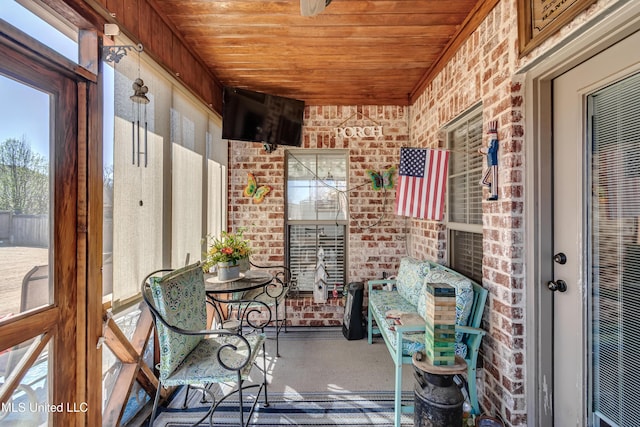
(460, 366)
(251, 279)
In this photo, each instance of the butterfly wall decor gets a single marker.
(257, 193)
(384, 180)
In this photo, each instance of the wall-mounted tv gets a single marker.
(259, 117)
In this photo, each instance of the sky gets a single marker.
(24, 111)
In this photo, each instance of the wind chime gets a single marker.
(139, 114)
(139, 97)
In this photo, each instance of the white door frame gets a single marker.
(612, 25)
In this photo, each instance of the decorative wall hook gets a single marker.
(116, 53)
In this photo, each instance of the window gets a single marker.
(464, 205)
(316, 215)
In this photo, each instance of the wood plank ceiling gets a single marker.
(356, 52)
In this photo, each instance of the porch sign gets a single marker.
(359, 131)
(540, 19)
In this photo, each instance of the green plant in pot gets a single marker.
(228, 253)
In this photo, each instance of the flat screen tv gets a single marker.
(259, 117)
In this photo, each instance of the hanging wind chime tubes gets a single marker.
(139, 99)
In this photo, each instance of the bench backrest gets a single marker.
(479, 300)
(479, 297)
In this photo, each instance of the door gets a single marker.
(596, 268)
(39, 238)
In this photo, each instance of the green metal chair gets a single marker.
(189, 353)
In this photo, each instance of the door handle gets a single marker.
(558, 285)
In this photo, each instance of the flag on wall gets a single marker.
(422, 183)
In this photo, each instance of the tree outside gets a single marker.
(24, 178)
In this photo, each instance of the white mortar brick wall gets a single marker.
(484, 70)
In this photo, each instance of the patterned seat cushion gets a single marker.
(410, 277)
(181, 301)
(464, 300)
(381, 302)
(202, 363)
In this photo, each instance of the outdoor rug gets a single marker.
(365, 408)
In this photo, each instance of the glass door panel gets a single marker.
(24, 198)
(615, 253)
(26, 279)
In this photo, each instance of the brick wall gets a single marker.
(484, 71)
(376, 235)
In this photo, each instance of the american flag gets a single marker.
(422, 184)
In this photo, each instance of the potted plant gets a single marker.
(228, 253)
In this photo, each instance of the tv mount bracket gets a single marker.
(269, 148)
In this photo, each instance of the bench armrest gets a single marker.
(470, 330)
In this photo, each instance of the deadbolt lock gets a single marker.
(560, 258)
(558, 285)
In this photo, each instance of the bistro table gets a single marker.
(225, 293)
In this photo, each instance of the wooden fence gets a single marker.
(24, 230)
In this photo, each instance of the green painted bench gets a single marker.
(407, 296)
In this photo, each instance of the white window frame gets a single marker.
(303, 284)
(472, 173)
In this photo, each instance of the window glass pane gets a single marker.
(305, 242)
(315, 183)
(107, 179)
(615, 252)
(24, 198)
(465, 195)
(126, 321)
(217, 180)
(28, 404)
(458, 199)
(317, 213)
(64, 42)
(467, 254)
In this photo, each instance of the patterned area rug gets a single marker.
(366, 408)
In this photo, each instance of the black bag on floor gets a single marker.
(352, 323)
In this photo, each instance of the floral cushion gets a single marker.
(381, 302)
(410, 278)
(202, 363)
(464, 300)
(181, 301)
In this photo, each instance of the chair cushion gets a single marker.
(464, 300)
(181, 301)
(410, 277)
(201, 366)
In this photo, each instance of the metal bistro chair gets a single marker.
(273, 295)
(189, 353)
